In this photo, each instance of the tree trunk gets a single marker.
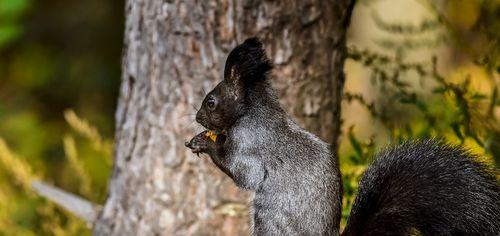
(174, 51)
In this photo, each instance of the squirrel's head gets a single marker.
(246, 68)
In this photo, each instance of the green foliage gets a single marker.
(416, 100)
(10, 13)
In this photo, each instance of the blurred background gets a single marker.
(415, 69)
(56, 57)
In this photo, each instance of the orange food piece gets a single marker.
(212, 135)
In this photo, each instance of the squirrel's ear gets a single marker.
(247, 63)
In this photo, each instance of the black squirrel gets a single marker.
(422, 187)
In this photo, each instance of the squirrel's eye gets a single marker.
(211, 103)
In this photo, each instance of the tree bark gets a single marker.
(174, 51)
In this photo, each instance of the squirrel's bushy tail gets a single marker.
(426, 188)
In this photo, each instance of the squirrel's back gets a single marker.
(426, 188)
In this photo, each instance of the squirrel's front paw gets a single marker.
(198, 144)
(203, 142)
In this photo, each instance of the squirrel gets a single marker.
(417, 188)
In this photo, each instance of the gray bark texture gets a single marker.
(174, 51)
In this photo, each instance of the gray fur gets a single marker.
(292, 172)
(426, 187)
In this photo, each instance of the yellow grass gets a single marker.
(77, 165)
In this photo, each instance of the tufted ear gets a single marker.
(247, 63)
